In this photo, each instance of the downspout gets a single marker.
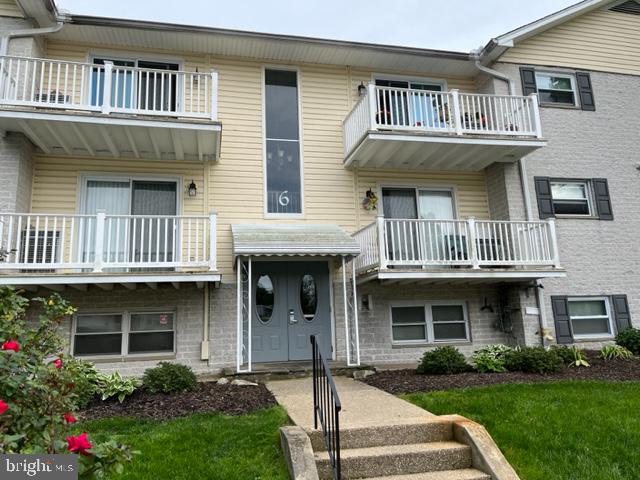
(522, 164)
(29, 32)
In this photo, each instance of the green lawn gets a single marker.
(563, 430)
(206, 446)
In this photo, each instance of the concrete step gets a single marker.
(464, 474)
(397, 460)
(380, 435)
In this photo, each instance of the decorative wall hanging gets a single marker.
(370, 201)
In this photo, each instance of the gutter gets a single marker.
(30, 32)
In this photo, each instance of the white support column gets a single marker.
(249, 312)
(239, 314)
(373, 108)
(457, 116)
(535, 105)
(106, 87)
(214, 95)
(382, 236)
(473, 243)
(346, 309)
(554, 242)
(355, 310)
(213, 253)
(99, 242)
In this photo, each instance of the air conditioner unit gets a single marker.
(40, 248)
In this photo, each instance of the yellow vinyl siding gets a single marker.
(470, 189)
(9, 8)
(601, 40)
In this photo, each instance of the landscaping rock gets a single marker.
(360, 374)
(244, 383)
(222, 381)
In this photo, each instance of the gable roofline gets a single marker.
(498, 45)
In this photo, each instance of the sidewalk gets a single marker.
(362, 405)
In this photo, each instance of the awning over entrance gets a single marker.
(292, 240)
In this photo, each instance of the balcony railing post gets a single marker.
(382, 234)
(214, 95)
(99, 242)
(106, 88)
(371, 98)
(473, 243)
(213, 217)
(457, 116)
(554, 242)
(535, 106)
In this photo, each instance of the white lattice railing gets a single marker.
(107, 88)
(388, 108)
(37, 241)
(472, 243)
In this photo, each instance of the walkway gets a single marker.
(362, 405)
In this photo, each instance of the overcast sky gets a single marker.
(451, 25)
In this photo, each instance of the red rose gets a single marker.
(79, 444)
(11, 345)
(69, 418)
(3, 407)
(57, 363)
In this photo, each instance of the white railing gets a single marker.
(472, 243)
(107, 88)
(388, 108)
(34, 241)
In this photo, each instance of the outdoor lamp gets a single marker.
(192, 189)
(362, 90)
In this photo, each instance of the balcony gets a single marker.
(102, 249)
(464, 250)
(420, 129)
(84, 109)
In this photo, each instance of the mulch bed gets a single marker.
(208, 397)
(408, 381)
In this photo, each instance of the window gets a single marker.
(571, 197)
(308, 297)
(282, 127)
(429, 323)
(590, 317)
(124, 333)
(265, 298)
(556, 88)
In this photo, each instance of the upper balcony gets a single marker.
(421, 129)
(472, 251)
(89, 109)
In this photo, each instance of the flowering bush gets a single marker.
(37, 390)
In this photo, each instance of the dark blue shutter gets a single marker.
(543, 194)
(602, 198)
(621, 309)
(560, 307)
(587, 102)
(528, 77)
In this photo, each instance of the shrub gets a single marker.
(490, 358)
(533, 360)
(443, 361)
(564, 353)
(169, 377)
(37, 389)
(609, 352)
(629, 339)
(115, 386)
(85, 378)
(571, 356)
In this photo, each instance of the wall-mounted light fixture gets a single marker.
(362, 90)
(193, 190)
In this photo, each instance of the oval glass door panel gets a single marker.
(264, 298)
(308, 297)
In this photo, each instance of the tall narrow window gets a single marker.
(284, 186)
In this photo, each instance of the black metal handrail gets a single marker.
(326, 407)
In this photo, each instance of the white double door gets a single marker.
(426, 241)
(136, 230)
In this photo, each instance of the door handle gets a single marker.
(292, 317)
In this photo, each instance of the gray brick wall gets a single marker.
(601, 257)
(16, 165)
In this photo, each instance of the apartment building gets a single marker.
(215, 197)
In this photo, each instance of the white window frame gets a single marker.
(125, 330)
(418, 188)
(574, 88)
(428, 316)
(265, 193)
(588, 188)
(590, 336)
(409, 79)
